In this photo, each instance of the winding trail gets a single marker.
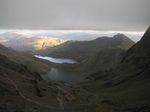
(60, 101)
(65, 92)
(22, 96)
(35, 102)
(62, 104)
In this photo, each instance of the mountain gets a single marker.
(23, 42)
(142, 49)
(13, 35)
(28, 60)
(81, 36)
(81, 50)
(103, 60)
(125, 88)
(86, 35)
(101, 54)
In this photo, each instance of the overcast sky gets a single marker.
(125, 15)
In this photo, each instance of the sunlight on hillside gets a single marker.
(45, 42)
(3, 40)
(76, 34)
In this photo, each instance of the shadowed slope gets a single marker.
(81, 50)
(32, 63)
(100, 54)
(125, 88)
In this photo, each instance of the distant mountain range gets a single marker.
(80, 36)
(23, 42)
(86, 35)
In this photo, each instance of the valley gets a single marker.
(115, 70)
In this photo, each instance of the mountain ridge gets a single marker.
(101, 54)
(24, 42)
(74, 49)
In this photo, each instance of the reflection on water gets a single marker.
(56, 60)
(56, 74)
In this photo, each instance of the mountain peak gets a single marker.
(120, 36)
(20, 33)
(140, 52)
(146, 37)
(123, 41)
(15, 34)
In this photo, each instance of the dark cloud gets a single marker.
(75, 14)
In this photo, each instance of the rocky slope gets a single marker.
(125, 88)
(24, 91)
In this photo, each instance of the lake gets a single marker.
(56, 60)
(57, 74)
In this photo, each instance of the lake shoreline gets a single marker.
(58, 74)
(56, 60)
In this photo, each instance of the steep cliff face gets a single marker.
(135, 64)
(139, 54)
(125, 88)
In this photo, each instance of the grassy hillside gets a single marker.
(24, 91)
(32, 63)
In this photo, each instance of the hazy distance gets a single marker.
(80, 35)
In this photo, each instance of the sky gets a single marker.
(110, 15)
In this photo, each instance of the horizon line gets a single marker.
(110, 31)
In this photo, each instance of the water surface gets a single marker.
(56, 60)
(57, 74)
